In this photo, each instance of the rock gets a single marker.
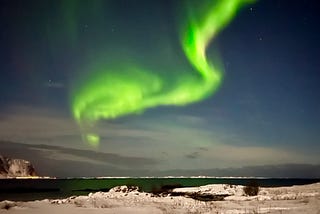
(10, 167)
(213, 192)
(7, 205)
(124, 189)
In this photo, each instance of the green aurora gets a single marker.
(113, 91)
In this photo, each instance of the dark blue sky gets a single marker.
(267, 110)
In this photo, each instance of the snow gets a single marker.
(123, 199)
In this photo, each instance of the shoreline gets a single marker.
(294, 199)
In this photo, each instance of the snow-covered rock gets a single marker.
(15, 168)
(210, 192)
(124, 189)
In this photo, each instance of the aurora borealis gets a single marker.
(105, 85)
(113, 92)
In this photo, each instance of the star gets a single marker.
(85, 27)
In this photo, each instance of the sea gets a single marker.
(53, 188)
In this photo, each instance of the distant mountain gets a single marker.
(275, 171)
(15, 168)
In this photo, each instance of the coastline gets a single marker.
(294, 199)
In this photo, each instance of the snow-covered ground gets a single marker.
(295, 199)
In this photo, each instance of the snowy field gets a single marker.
(295, 199)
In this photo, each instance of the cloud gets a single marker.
(194, 121)
(220, 155)
(60, 153)
(43, 155)
(52, 84)
(193, 155)
(166, 142)
(99, 164)
(36, 125)
(203, 149)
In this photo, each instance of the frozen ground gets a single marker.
(295, 199)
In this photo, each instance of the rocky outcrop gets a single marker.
(15, 168)
(211, 192)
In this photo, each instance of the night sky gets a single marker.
(109, 86)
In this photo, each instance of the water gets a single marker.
(37, 189)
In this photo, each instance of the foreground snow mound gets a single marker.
(235, 192)
(101, 199)
(130, 196)
(124, 199)
(6, 205)
(290, 193)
